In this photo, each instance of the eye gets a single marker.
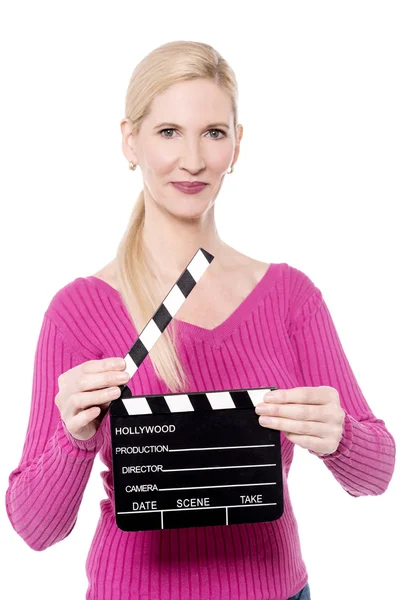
(219, 131)
(162, 131)
(214, 138)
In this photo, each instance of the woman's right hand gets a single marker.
(85, 390)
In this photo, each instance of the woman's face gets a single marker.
(187, 136)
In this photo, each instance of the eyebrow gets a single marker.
(175, 126)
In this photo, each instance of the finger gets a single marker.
(312, 428)
(84, 400)
(299, 395)
(114, 363)
(98, 381)
(82, 378)
(298, 412)
(83, 418)
(308, 442)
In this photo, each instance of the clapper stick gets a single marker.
(167, 309)
(173, 468)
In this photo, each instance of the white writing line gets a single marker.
(223, 447)
(207, 487)
(131, 512)
(207, 468)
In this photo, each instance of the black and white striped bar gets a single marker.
(166, 311)
(200, 401)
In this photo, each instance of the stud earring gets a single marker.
(132, 166)
(231, 170)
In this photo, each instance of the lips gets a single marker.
(189, 183)
(189, 188)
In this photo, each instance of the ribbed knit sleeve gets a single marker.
(364, 461)
(46, 489)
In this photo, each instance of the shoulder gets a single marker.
(292, 280)
(291, 287)
(303, 296)
(301, 284)
(66, 298)
(78, 307)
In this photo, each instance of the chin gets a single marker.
(185, 213)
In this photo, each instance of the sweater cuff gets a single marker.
(346, 442)
(79, 449)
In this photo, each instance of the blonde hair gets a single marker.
(168, 64)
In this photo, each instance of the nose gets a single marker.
(192, 158)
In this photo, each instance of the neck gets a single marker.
(171, 241)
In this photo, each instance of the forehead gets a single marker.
(191, 100)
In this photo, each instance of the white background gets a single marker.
(316, 185)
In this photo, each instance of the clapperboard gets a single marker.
(195, 459)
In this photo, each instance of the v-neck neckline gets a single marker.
(216, 334)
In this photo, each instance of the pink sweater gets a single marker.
(282, 334)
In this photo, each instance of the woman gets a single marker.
(246, 324)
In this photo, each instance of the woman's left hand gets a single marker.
(309, 416)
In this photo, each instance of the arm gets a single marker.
(364, 461)
(46, 489)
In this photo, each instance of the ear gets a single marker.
(128, 142)
(239, 135)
